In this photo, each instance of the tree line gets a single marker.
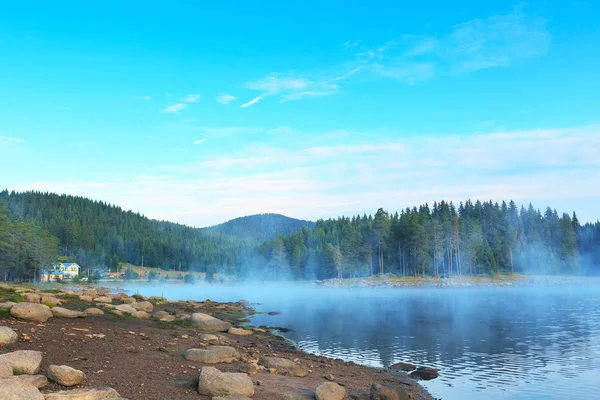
(442, 240)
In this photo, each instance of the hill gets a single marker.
(261, 227)
(95, 233)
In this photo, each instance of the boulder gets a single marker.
(31, 312)
(6, 370)
(65, 313)
(7, 336)
(103, 393)
(213, 382)
(424, 373)
(143, 306)
(403, 366)
(381, 392)
(208, 323)
(120, 296)
(65, 375)
(283, 366)
(330, 391)
(213, 355)
(32, 297)
(87, 299)
(26, 362)
(141, 314)
(129, 300)
(126, 308)
(51, 301)
(39, 381)
(160, 314)
(7, 305)
(18, 389)
(239, 332)
(94, 311)
(103, 299)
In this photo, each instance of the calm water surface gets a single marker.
(500, 343)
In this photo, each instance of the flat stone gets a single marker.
(143, 306)
(239, 332)
(212, 355)
(141, 314)
(65, 375)
(32, 297)
(18, 389)
(404, 366)
(39, 381)
(31, 312)
(7, 336)
(424, 373)
(283, 366)
(51, 301)
(213, 382)
(126, 308)
(208, 323)
(7, 305)
(103, 393)
(103, 299)
(26, 362)
(94, 311)
(65, 313)
(6, 370)
(87, 299)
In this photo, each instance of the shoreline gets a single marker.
(142, 358)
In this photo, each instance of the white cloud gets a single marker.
(174, 108)
(191, 98)
(289, 87)
(10, 139)
(225, 98)
(254, 101)
(148, 98)
(199, 141)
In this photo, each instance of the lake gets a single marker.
(493, 343)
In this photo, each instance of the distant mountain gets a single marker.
(261, 227)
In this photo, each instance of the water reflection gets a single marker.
(502, 343)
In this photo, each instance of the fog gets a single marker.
(497, 343)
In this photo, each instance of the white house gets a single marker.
(69, 270)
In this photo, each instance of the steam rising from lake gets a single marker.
(495, 343)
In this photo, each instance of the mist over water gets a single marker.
(494, 343)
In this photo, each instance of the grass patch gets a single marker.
(178, 323)
(4, 313)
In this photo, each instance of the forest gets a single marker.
(479, 238)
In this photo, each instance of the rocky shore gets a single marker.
(90, 344)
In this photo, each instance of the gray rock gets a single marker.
(94, 311)
(32, 297)
(6, 370)
(7, 336)
(7, 305)
(143, 306)
(65, 375)
(207, 337)
(330, 391)
(126, 308)
(160, 314)
(213, 382)
(39, 381)
(26, 362)
(424, 373)
(206, 323)
(18, 389)
(65, 313)
(381, 392)
(103, 393)
(213, 355)
(404, 366)
(31, 312)
(283, 366)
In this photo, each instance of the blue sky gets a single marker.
(198, 112)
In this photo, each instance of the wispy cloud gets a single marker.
(225, 98)
(191, 98)
(199, 141)
(147, 98)
(8, 139)
(492, 42)
(174, 108)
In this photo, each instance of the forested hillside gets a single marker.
(95, 234)
(475, 238)
(261, 227)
